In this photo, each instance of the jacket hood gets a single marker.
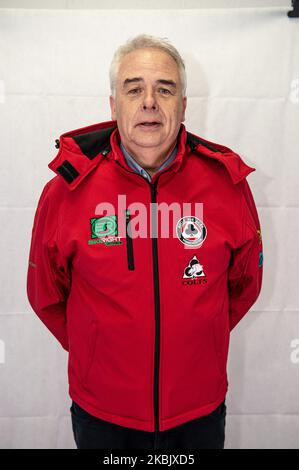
(81, 150)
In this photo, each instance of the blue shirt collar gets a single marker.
(135, 166)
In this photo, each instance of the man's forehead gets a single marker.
(145, 60)
(148, 55)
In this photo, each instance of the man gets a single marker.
(145, 316)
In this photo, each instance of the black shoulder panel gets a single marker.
(92, 143)
(193, 141)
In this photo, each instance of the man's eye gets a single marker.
(133, 90)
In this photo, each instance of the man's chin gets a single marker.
(146, 143)
(147, 139)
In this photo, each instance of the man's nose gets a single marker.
(149, 100)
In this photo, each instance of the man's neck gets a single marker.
(158, 161)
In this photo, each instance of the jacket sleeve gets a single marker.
(246, 265)
(48, 275)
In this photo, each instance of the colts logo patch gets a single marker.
(191, 231)
(194, 269)
(194, 272)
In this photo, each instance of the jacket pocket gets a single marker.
(129, 242)
(91, 351)
(53, 278)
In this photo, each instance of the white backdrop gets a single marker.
(243, 92)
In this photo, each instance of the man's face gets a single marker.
(142, 97)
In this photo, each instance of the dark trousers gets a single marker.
(206, 432)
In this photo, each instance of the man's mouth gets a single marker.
(149, 124)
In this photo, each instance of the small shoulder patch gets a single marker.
(261, 259)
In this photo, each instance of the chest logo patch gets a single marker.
(193, 271)
(191, 231)
(104, 230)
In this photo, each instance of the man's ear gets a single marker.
(112, 108)
(184, 108)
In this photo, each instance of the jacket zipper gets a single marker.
(157, 315)
(153, 188)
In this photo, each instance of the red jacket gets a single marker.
(146, 320)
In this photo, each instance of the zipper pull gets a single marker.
(129, 242)
(154, 191)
